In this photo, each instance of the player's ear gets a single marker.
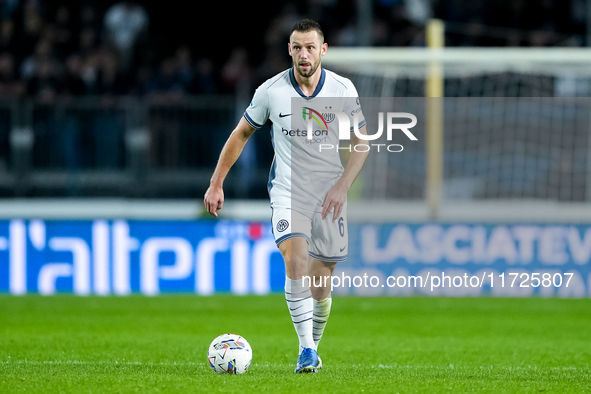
(289, 48)
(324, 49)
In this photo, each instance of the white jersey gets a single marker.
(301, 173)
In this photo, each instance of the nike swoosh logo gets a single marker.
(283, 116)
(343, 249)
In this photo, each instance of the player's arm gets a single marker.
(337, 195)
(214, 197)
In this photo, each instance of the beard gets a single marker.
(313, 68)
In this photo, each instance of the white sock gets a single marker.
(299, 302)
(320, 317)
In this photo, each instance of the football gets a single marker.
(229, 353)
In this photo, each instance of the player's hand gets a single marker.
(214, 199)
(335, 199)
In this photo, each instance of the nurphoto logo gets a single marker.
(344, 126)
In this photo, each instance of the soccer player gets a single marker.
(307, 186)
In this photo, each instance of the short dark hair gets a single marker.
(306, 25)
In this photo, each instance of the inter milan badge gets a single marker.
(282, 225)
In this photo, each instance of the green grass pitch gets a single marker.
(67, 344)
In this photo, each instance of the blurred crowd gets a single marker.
(73, 49)
(58, 48)
(165, 51)
(514, 23)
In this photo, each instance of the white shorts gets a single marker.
(327, 241)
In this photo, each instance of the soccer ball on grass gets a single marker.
(229, 353)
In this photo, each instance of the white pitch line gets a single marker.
(152, 364)
(189, 364)
(79, 362)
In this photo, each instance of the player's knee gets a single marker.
(295, 266)
(292, 259)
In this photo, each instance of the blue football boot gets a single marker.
(307, 361)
